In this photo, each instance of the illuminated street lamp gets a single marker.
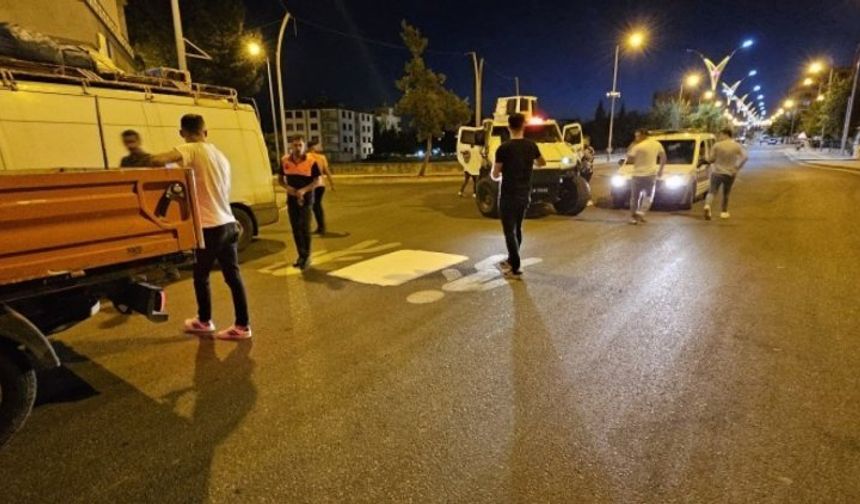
(691, 81)
(757, 88)
(816, 67)
(635, 41)
(255, 50)
(808, 81)
(708, 95)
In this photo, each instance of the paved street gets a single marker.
(679, 361)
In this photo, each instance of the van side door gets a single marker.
(470, 146)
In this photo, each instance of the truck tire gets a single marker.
(573, 196)
(246, 227)
(488, 197)
(17, 391)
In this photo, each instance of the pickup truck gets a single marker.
(71, 239)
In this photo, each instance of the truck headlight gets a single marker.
(618, 181)
(565, 161)
(675, 182)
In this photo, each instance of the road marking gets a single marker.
(397, 268)
(486, 277)
(356, 252)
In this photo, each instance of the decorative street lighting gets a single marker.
(255, 49)
(715, 70)
(808, 81)
(635, 40)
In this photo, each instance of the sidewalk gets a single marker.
(823, 159)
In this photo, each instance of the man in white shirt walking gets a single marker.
(649, 160)
(220, 231)
(728, 157)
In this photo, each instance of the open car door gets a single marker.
(470, 145)
(572, 134)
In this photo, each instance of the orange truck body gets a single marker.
(67, 223)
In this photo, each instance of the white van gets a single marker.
(71, 119)
(686, 177)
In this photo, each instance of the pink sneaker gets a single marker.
(234, 333)
(194, 326)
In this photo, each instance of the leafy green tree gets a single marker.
(216, 26)
(668, 114)
(708, 118)
(430, 107)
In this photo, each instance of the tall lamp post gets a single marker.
(478, 67)
(278, 60)
(635, 40)
(815, 68)
(850, 108)
(255, 50)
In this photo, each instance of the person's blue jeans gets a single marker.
(642, 193)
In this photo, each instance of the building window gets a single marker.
(315, 138)
(289, 127)
(312, 114)
(289, 114)
(345, 139)
(301, 127)
(299, 114)
(315, 127)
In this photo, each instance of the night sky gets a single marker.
(561, 49)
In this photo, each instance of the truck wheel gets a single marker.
(246, 227)
(573, 196)
(17, 392)
(488, 197)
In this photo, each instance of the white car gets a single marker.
(686, 177)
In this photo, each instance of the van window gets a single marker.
(472, 137)
(512, 106)
(679, 151)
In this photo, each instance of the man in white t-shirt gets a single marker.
(649, 160)
(220, 231)
(728, 157)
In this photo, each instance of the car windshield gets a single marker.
(679, 151)
(540, 133)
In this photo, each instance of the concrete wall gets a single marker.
(72, 22)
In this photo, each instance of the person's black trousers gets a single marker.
(300, 221)
(221, 245)
(319, 214)
(512, 212)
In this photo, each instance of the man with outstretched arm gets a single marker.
(649, 161)
(515, 161)
(220, 231)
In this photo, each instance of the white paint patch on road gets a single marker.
(398, 267)
(425, 296)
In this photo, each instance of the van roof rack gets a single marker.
(13, 70)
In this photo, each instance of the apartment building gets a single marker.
(346, 135)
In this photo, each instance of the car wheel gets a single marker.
(246, 227)
(17, 391)
(488, 197)
(573, 196)
(689, 197)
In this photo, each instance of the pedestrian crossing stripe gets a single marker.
(397, 268)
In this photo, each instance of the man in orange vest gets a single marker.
(301, 175)
(315, 151)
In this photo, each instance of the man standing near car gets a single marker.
(728, 157)
(649, 161)
(515, 161)
(301, 175)
(220, 231)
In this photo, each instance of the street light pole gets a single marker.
(478, 67)
(281, 80)
(517, 85)
(178, 36)
(272, 104)
(613, 95)
(850, 108)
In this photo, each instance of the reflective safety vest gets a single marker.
(304, 167)
(319, 158)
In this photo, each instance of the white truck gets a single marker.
(64, 117)
(559, 183)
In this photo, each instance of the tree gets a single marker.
(216, 26)
(707, 117)
(430, 107)
(668, 114)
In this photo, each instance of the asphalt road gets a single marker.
(679, 361)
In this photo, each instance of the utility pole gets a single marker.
(517, 85)
(278, 65)
(613, 95)
(177, 34)
(478, 67)
(850, 108)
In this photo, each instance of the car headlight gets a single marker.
(565, 161)
(618, 181)
(675, 182)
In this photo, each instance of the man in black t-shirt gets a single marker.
(137, 157)
(515, 160)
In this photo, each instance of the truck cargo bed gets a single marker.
(66, 223)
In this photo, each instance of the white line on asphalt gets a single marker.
(398, 267)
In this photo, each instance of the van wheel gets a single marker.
(17, 392)
(620, 200)
(573, 196)
(246, 227)
(689, 198)
(488, 197)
